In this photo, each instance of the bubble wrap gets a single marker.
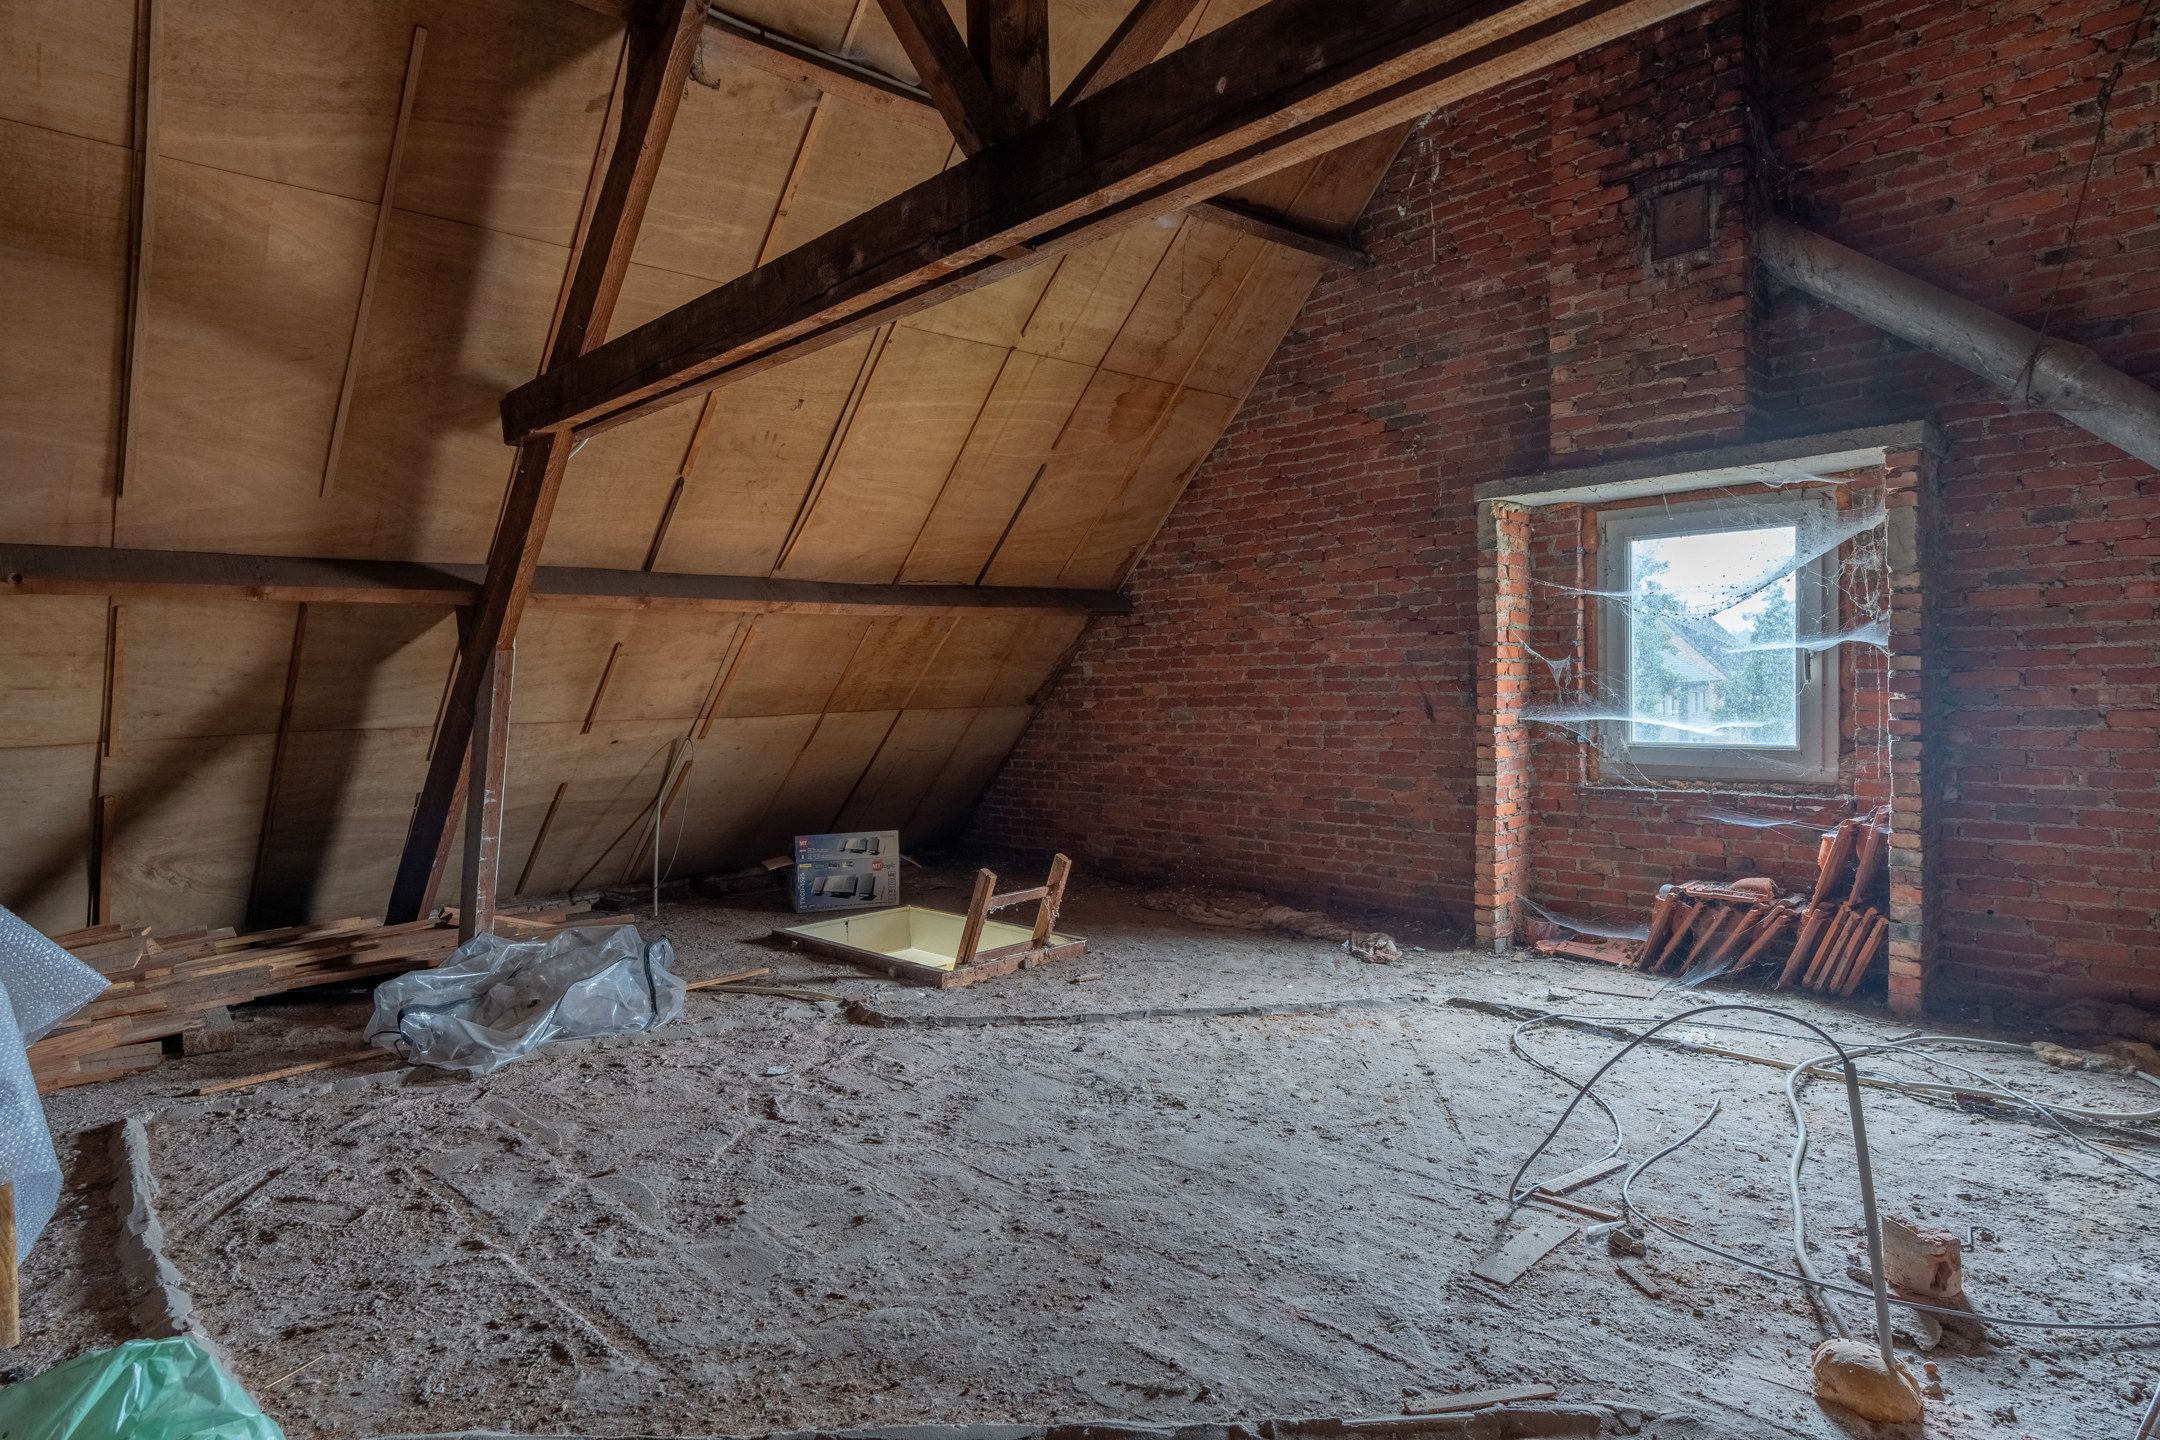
(44, 985)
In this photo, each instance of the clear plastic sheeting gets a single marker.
(499, 1000)
(44, 985)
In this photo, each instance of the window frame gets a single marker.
(1813, 760)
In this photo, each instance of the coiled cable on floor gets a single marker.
(1839, 1058)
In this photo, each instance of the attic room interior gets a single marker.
(1079, 719)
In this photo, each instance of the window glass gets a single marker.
(1711, 639)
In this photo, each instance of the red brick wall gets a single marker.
(1951, 141)
(1297, 686)
(1293, 692)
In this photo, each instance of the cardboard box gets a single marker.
(851, 871)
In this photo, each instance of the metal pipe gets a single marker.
(2037, 370)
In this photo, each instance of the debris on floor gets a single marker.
(1706, 929)
(1248, 910)
(169, 985)
(1851, 1374)
(498, 1000)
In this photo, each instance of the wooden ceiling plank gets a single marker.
(1287, 82)
(383, 210)
(660, 53)
(1139, 38)
(949, 72)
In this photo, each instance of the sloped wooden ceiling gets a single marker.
(176, 385)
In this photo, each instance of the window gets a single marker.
(1708, 609)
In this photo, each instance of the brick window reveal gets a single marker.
(1581, 830)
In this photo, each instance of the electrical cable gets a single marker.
(1846, 1059)
(1871, 1220)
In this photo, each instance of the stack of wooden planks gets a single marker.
(172, 988)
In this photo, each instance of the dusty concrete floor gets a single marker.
(772, 1217)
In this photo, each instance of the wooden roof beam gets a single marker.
(949, 72)
(201, 575)
(728, 37)
(658, 52)
(1287, 82)
(1010, 40)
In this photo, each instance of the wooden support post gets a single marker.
(1010, 40)
(10, 1273)
(1046, 913)
(484, 786)
(660, 51)
(978, 909)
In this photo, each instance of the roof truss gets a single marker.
(1289, 81)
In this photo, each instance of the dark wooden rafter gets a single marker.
(1010, 40)
(200, 575)
(660, 49)
(950, 74)
(1138, 39)
(1285, 83)
(730, 38)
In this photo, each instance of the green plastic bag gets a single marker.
(142, 1390)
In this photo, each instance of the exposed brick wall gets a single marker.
(1293, 692)
(1950, 141)
(1298, 684)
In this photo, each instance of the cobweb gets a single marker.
(1721, 634)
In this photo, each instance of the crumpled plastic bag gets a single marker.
(43, 985)
(499, 1000)
(140, 1390)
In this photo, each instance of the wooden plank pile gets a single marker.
(1828, 942)
(171, 990)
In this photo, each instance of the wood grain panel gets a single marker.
(915, 415)
(64, 209)
(663, 672)
(737, 774)
(343, 798)
(1012, 441)
(1136, 509)
(761, 450)
(613, 774)
(303, 94)
(858, 159)
(69, 68)
(45, 846)
(243, 344)
(458, 315)
(201, 670)
(792, 664)
(52, 667)
(187, 816)
(729, 153)
(950, 798)
(904, 770)
(372, 667)
(508, 117)
(1117, 418)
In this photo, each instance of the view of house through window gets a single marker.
(1711, 647)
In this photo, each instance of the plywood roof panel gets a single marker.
(1034, 432)
(63, 296)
